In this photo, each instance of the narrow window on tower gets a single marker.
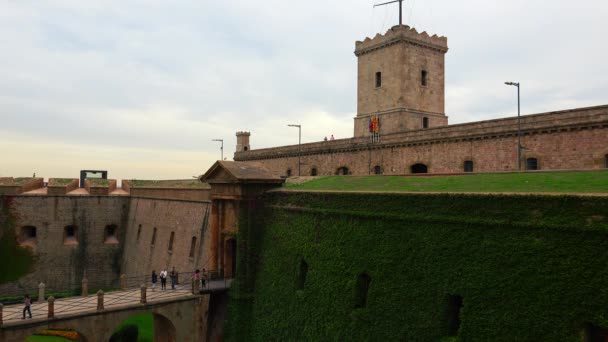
(425, 122)
(378, 79)
(423, 80)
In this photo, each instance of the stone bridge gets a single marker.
(179, 315)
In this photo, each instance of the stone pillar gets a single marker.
(51, 307)
(100, 300)
(215, 232)
(1, 307)
(123, 282)
(143, 299)
(41, 288)
(85, 287)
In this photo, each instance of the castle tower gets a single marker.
(401, 80)
(242, 141)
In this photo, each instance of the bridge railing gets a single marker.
(135, 290)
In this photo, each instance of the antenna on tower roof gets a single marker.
(400, 9)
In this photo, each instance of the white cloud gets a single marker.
(146, 85)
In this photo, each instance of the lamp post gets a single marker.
(516, 84)
(221, 147)
(299, 145)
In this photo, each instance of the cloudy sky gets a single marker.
(139, 88)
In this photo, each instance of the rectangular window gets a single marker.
(192, 246)
(423, 78)
(171, 241)
(454, 308)
(153, 237)
(378, 79)
(468, 166)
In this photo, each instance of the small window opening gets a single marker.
(378, 79)
(138, 232)
(171, 241)
(377, 170)
(363, 282)
(70, 235)
(468, 166)
(425, 122)
(342, 171)
(288, 172)
(606, 161)
(28, 235)
(423, 79)
(110, 234)
(302, 272)
(153, 237)
(245, 148)
(531, 164)
(419, 168)
(192, 246)
(453, 317)
(313, 172)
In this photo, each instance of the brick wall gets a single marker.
(59, 265)
(187, 219)
(572, 139)
(62, 266)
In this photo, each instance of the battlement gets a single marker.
(403, 33)
(243, 133)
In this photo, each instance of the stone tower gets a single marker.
(242, 141)
(401, 79)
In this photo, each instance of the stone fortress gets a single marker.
(401, 87)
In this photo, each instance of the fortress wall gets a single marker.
(186, 218)
(61, 265)
(570, 139)
(194, 194)
(577, 149)
(510, 259)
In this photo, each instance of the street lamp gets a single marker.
(221, 147)
(299, 145)
(518, 124)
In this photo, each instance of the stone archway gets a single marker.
(419, 168)
(150, 325)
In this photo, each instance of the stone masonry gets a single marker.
(402, 82)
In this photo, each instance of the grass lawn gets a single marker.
(560, 182)
(145, 324)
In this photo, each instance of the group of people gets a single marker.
(200, 277)
(163, 278)
(330, 139)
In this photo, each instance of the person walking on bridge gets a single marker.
(173, 276)
(163, 279)
(28, 303)
(154, 279)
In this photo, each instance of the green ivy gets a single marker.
(15, 261)
(529, 268)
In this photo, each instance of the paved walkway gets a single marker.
(74, 305)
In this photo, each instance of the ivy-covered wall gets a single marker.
(528, 268)
(14, 260)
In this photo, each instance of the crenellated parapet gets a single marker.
(398, 34)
